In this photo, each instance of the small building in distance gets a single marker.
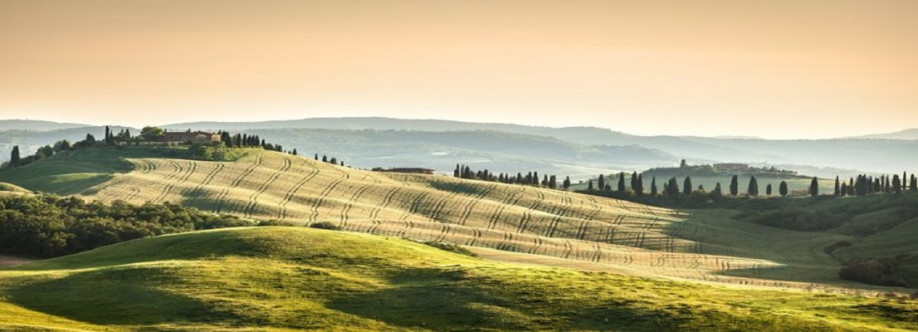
(191, 136)
(731, 167)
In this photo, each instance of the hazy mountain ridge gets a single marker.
(37, 125)
(907, 134)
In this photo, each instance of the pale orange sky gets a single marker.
(764, 68)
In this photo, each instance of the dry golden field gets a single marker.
(586, 230)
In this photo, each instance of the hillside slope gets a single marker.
(299, 278)
(270, 185)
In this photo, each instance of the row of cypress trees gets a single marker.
(529, 179)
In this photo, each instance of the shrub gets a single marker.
(325, 225)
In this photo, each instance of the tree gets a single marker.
(687, 185)
(814, 187)
(552, 182)
(601, 182)
(108, 135)
(837, 187)
(734, 186)
(44, 152)
(567, 183)
(682, 164)
(152, 134)
(590, 185)
(896, 184)
(672, 188)
(768, 190)
(62, 145)
(639, 188)
(621, 183)
(653, 186)
(14, 156)
(293, 152)
(782, 188)
(456, 171)
(844, 189)
(717, 192)
(753, 188)
(913, 184)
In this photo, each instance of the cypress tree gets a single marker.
(896, 184)
(753, 188)
(456, 171)
(621, 183)
(672, 187)
(782, 188)
(913, 184)
(653, 186)
(294, 152)
(639, 189)
(590, 185)
(717, 192)
(734, 186)
(108, 135)
(844, 189)
(634, 176)
(837, 186)
(768, 190)
(14, 156)
(553, 182)
(567, 183)
(687, 185)
(814, 187)
(602, 181)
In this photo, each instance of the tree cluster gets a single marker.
(529, 179)
(49, 226)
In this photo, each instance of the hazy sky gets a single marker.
(765, 68)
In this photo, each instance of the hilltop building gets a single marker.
(191, 137)
(731, 167)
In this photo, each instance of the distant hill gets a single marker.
(867, 155)
(36, 125)
(907, 134)
(30, 140)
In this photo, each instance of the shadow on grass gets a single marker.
(119, 296)
(453, 300)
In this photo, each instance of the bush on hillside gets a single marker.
(450, 247)
(325, 225)
(875, 271)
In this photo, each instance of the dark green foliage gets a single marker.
(837, 186)
(753, 188)
(590, 185)
(798, 219)
(621, 183)
(814, 187)
(602, 181)
(734, 186)
(14, 157)
(687, 185)
(325, 225)
(672, 187)
(782, 189)
(876, 271)
(653, 186)
(49, 226)
(567, 182)
(896, 184)
(768, 190)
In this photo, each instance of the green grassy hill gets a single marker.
(706, 245)
(285, 278)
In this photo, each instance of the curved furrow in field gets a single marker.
(467, 210)
(350, 203)
(177, 170)
(220, 199)
(374, 214)
(290, 193)
(496, 216)
(206, 182)
(323, 196)
(253, 199)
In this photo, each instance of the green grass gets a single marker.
(302, 278)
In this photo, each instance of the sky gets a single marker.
(774, 69)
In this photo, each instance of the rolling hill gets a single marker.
(295, 278)
(633, 238)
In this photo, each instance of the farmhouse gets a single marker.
(191, 137)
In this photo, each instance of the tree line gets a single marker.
(50, 226)
(528, 179)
